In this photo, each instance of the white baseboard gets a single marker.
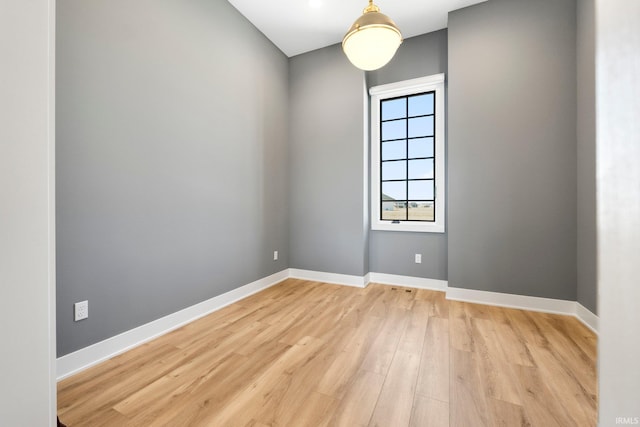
(334, 278)
(408, 281)
(587, 317)
(545, 305)
(522, 302)
(89, 356)
(363, 281)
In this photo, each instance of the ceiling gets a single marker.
(298, 26)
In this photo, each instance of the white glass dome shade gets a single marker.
(372, 40)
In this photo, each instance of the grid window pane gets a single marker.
(396, 129)
(394, 170)
(393, 150)
(421, 190)
(421, 104)
(392, 211)
(420, 147)
(421, 169)
(422, 211)
(421, 126)
(407, 158)
(394, 190)
(394, 109)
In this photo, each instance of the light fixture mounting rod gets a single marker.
(371, 8)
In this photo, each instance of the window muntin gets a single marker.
(407, 161)
(407, 146)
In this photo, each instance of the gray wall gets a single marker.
(418, 56)
(586, 155)
(618, 160)
(27, 261)
(393, 252)
(512, 148)
(171, 160)
(328, 225)
(188, 152)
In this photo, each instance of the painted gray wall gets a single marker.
(512, 148)
(27, 260)
(618, 160)
(328, 225)
(418, 56)
(393, 252)
(171, 160)
(587, 255)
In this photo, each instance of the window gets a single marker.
(408, 155)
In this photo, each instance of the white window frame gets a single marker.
(405, 88)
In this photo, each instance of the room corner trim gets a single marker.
(587, 317)
(545, 305)
(408, 281)
(84, 358)
(523, 302)
(363, 281)
(333, 278)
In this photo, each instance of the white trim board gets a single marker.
(363, 281)
(333, 278)
(408, 281)
(587, 317)
(545, 305)
(522, 302)
(82, 359)
(92, 355)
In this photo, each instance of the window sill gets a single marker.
(408, 227)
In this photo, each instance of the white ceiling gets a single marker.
(298, 26)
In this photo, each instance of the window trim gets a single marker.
(406, 88)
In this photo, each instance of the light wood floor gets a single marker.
(312, 354)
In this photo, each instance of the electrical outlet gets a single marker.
(418, 258)
(81, 310)
(275, 255)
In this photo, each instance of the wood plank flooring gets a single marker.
(312, 354)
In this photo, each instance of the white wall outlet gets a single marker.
(275, 255)
(81, 310)
(418, 258)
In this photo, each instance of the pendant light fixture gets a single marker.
(372, 40)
